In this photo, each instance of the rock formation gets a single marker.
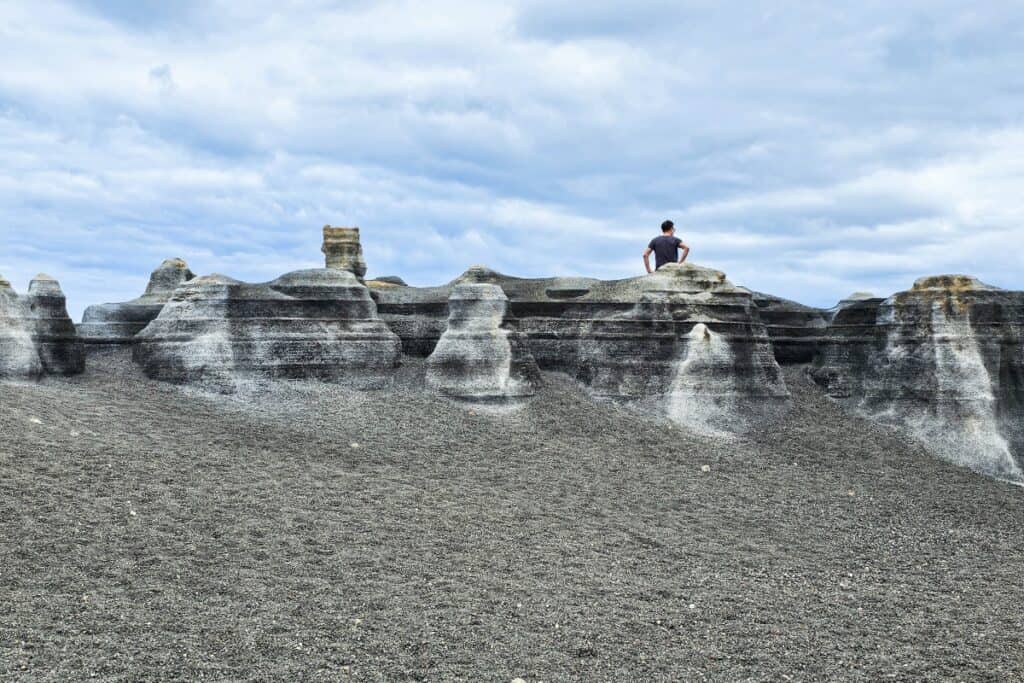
(482, 356)
(119, 323)
(944, 360)
(343, 250)
(36, 335)
(849, 300)
(795, 330)
(319, 324)
(628, 340)
(386, 281)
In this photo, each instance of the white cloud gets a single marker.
(806, 151)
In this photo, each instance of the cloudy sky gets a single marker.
(807, 149)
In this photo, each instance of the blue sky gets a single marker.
(807, 149)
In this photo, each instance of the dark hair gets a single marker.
(667, 225)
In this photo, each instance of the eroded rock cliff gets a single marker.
(629, 340)
(36, 335)
(318, 323)
(795, 330)
(118, 323)
(482, 356)
(945, 360)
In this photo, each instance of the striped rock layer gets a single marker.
(481, 356)
(795, 330)
(118, 323)
(945, 360)
(37, 336)
(315, 324)
(630, 340)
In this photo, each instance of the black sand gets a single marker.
(150, 532)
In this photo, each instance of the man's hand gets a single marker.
(647, 259)
(686, 252)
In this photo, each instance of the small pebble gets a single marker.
(35, 420)
(354, 444)
(705, 468)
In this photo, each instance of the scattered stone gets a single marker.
(705, 468)
(118, 323)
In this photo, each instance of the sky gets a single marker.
(808, 150)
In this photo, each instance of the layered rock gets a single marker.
(118, 323)
(318, 324)
(627, 340)
(944, 360)
(850, 300)
(343, 250)
(481, 356)
(794, 329)
(37, 336)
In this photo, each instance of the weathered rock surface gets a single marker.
(850, 300)
(630, 340)
(318, 324)
(945, 360)
(795, 330)
(36, 335)
(482, 356)
(386, 281)
(118, 323)
(344, 251)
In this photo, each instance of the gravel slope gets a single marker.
(303, 533)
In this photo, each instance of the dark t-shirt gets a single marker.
(666, 249)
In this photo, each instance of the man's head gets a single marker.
(668, 227)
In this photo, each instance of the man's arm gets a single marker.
(647, 259)
(686, 251)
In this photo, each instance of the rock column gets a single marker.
(343, 250)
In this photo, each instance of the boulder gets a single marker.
(118, 323)
(37, 336)
(343, 250)
(316, 324)
(626, 340)
(481, 356)
(795, 330)
(944, 360)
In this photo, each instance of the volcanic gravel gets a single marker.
(304, 531)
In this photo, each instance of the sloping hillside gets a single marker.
(303, 531)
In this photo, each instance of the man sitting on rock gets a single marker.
(665, 247)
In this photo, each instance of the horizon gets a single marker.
(806, 152)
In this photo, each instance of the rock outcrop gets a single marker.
(36, 335)
(317, 324)
(944, 360)
(343, 250)
(850, 300)
(795, 330)
(118, 323)
(386, 281)
(482, 356)
(629, 340)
